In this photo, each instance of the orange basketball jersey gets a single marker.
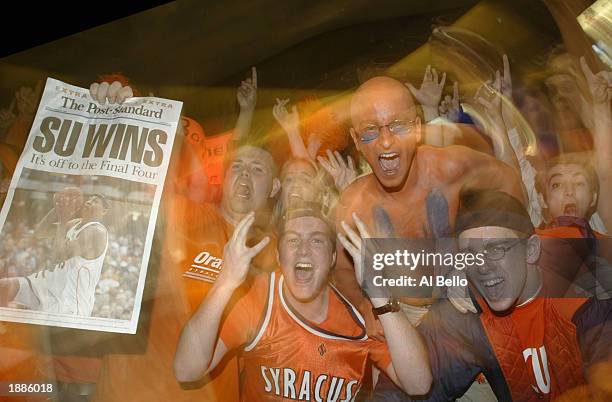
(286, 357)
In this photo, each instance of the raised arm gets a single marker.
(429, 95)
(497, 129)
(247, 99)
(290, 122)
(200, 349)
(600, 87)
(409, 367)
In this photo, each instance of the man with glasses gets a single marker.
(528, 346)
(414, 189)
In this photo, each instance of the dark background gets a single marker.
(198, 51)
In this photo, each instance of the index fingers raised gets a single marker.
(507, 76)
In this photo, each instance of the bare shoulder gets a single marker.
(357, 187)
(449, 163)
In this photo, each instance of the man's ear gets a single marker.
(276, 186)
(534, 248)
(355, 139)
(418, 131)
(594, 202)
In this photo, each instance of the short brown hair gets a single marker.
(573, 158)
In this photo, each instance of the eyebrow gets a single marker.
(553, 176)
(299, 234)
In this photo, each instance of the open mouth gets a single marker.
(570, 209)
(243, 191)
(304, 271)
(389, 162)
(494, 287)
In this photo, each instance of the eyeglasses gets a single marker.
(396, 127)
(497, 252)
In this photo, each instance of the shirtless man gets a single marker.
(394, 200)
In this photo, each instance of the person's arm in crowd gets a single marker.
(429, 95)
(343, 276)
(409, 367)
(576, 41)
(247, 99)
(200, 349)
(600, 87)
(290, 123)
(497, 130)
(507, 144)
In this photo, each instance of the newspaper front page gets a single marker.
(77, 225)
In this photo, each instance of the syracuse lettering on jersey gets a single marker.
(205, 267)
(304, 386)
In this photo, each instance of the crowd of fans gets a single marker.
(540, 142)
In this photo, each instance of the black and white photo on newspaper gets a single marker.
(77, 225)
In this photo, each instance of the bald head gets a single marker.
(381, 98)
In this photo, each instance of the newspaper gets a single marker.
(77, 225)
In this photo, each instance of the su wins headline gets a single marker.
(119, 141)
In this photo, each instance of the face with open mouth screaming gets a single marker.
(298, 182)
(249, 181)
(385, 128)
(568, 192)
(500, 282)
(306, 255)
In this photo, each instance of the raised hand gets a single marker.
(343, 173)
(237, 255)
(450, 106)
(492, 102)
(247, 92)
(439, 226)
(600, 84)
(113, 93)
(289, 121)
(7, 118)
(353, 243)
(26, 99)
(430, 93)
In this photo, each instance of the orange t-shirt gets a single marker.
(193, 229)
(287, 357)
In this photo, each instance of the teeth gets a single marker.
(303, 265)
(243, 190)
(493, 282)
(389, 162)
(389, 155)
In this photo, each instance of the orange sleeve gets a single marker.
(245, 313)
(379, 354)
